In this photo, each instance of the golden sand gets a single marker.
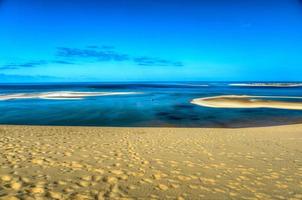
(150, 163)
(244, 101)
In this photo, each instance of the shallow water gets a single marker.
(151, 104)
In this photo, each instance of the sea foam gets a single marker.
(60, 95)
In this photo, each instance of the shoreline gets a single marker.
(54, 162)
(233, 127)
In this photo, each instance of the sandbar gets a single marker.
(245, 101)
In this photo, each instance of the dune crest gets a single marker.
(245, 101)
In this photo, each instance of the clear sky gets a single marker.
(150, 40)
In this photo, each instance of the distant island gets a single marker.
(266, 84)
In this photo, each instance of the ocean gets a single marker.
(143, 104)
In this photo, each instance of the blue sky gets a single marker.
(159, 40)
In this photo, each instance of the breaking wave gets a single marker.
(60, 95)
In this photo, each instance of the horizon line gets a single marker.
(70, 82)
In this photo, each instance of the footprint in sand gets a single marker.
(16, 185)
(163, 187)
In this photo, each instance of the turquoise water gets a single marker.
(154, 105)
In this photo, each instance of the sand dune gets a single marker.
(60, 95)
(150, 163)
(244, 101)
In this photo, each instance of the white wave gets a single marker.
(266, 84)
(60, 95)
(193, 85)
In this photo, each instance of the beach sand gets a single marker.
(150, 163)
(244, 101)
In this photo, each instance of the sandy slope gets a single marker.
(150, 163)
